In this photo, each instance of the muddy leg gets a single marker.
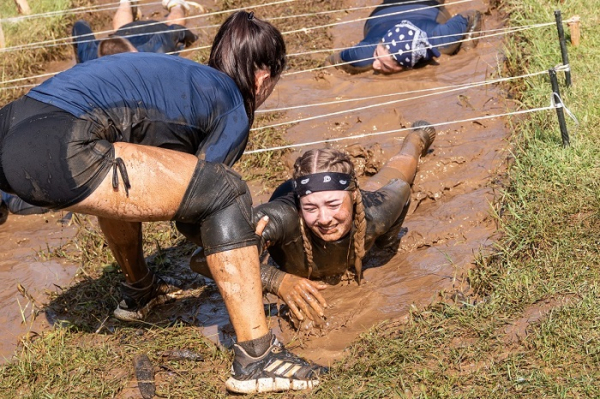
(125, 242)
(236, 273)
(402, 166)
(124, 15)
(176, 16)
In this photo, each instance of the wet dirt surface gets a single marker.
(448, 223)
(21, 239)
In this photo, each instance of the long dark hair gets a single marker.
(244, 45)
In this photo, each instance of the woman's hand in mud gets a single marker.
(260, 228)
(303, 297)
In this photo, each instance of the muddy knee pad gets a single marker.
(191, 231)
(218, 200)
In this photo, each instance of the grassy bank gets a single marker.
(20, 60)
(529, 329)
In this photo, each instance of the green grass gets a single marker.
(547, 259)
(32, 61)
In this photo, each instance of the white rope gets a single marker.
(273, 19)
(71, 11)
(484, 34)
(453, 87)
(305, 30)
(67, 40)
(446, 44)
(557, 102)
(450, 90)
(332, 140)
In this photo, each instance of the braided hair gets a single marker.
(330, 160)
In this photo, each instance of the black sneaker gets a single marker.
(473, 29)
(427, 134)
(137, 302)
(3, 212)
(276, 371)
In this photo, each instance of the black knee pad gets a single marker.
(219, 202)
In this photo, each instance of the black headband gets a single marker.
(325, 181)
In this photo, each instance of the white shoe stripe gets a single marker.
(292, 371)
(273, 365)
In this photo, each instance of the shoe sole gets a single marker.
(140, 314)
(264, 385)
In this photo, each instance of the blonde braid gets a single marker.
(307, 248)
(360, 231)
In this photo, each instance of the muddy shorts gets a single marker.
(48, 157)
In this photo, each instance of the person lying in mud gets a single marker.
(132, 35)
(402, 34)
(320, 224)
(109, 150)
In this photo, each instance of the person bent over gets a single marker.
(104, 138)
(401, 34)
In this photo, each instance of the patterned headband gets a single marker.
(325, 181)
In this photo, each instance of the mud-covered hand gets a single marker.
(261, 223)
(303, 297)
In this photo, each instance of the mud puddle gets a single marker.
(447, 225)
(26, 277)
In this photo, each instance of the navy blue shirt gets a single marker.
(156, 100)
(422, 15)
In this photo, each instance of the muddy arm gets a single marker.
(336, 60)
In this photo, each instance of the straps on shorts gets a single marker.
(119, 166)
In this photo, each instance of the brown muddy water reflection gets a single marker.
(21, 239)
(448, 223)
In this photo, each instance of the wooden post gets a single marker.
(574, 29)
(23, 7)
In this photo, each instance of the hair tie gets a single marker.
(251, 16)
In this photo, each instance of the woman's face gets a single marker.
(384, 62)
(328, 214)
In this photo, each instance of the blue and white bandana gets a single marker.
(408, 44)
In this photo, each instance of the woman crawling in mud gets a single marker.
(402, 34)
(106, 137)
(320, 225)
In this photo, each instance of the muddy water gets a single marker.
(21, 240)
(447, 225)
(449, 218)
